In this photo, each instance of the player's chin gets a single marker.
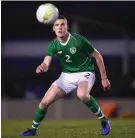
(60, 35)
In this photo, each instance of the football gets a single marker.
(47, 13)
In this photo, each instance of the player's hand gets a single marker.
(40, 69)
(106, 84)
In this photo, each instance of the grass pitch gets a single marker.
(124, 128)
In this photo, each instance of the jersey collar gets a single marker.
(66, 41)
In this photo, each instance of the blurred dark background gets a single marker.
(110, 26)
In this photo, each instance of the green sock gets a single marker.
(93, 106)
(39, 116)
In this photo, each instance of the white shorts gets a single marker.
(70, 81)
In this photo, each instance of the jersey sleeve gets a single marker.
(51, 50)
(87, 46)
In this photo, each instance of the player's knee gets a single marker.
(83, 97)
(44, 104)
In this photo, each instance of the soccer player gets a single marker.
(74, 52)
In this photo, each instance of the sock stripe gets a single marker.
(101, 116)
(34, 127)
(98, 111)
(36, 123)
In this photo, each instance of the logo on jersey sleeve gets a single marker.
(73, 50)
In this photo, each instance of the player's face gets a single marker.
(60, 27)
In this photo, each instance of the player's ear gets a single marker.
(67, 27)
(53, 28)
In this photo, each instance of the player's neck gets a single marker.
(64, 38)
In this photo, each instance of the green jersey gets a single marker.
(74, 54)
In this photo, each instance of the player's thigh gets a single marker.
(84, 87)
(85, 84)
(52, 94)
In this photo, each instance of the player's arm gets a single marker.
(101, 66)
(44, 66)
(100, 63)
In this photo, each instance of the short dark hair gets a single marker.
(61, 17)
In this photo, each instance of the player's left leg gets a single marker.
(83, 92)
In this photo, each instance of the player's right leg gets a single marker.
(50, 96)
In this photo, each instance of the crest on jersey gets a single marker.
(73, 50)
